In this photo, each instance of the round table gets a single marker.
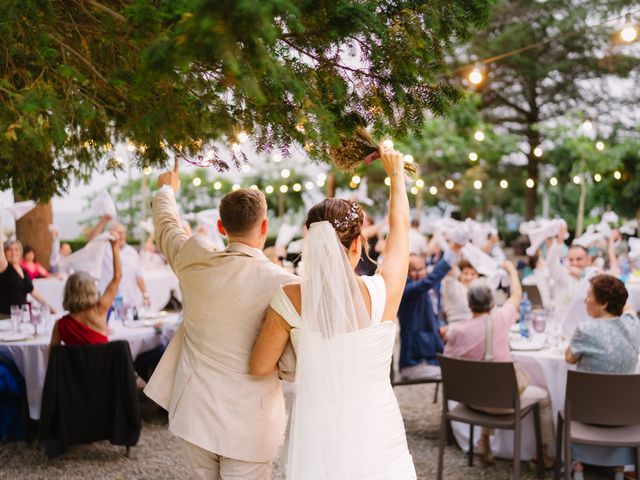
(160, 284)
(31, 355)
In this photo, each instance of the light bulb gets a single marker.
(235, 187)
(414, 190)
(597, 177)
(254, 187)
(243, 137)
(587, 126)
(388, 144)
(600, 145)
(419, 183)
(297, 187)
(449, 184)
(276, 157)
(217, 185)
(537, 152)
(475, 76)
(408, 158)
(504, 184)
(576, 179)
(308, 185)
(268, 189)
(473, 156)
(530, 183)
(321, 177)
(433, 190)
(479, 136)
(284, 189)
(197, 181)
(387, 181)
(617, 175)
(285, 173)
(356, 179)
(147, 171)
(477, 184)
(629, 32)
(246, 168)
(553, 181)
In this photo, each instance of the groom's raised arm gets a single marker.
(168, 231)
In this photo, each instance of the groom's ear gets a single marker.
(264, 227)
(221, 228)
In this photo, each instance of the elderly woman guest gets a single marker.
(30, 266)
(609, 342)
(15, 283)
(454, 292)
(468, 339)
(86, 323)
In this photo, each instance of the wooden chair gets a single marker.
(485, 385)
(600, 409)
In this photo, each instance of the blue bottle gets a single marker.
(118, 307)
(525, 308)
(624, 269)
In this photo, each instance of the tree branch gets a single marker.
(108, 11)
(80, 57)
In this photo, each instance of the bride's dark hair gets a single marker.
(345, 216)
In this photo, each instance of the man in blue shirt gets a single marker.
(419, 338)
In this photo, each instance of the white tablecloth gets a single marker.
(634, 295)
(160, 283)
(31, 355)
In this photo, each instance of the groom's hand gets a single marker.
(170, 178)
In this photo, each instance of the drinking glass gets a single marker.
(26, 315)
(16, 316)
(45, 318)
(539, 323)
(35, 318)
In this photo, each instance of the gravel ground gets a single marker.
(158, 454)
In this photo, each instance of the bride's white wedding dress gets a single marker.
(346, 422)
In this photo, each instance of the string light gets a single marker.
(587, 126)
(530, 183)
(433, 190)
(285, 173)
(235, 187)
(476, 76)
(553, 181)
(210, 153)
(419, 183)
(387, 181)
(235, 147)
(408, 158)
(414, 190)
(197, 181)
(309, 185)
(217, 185)
(284, 189)
(504, 184)
(629, 32)
(479, 136)
(449, 184)
(388, 144)
(600, 145)
(246, 168)
(597, 177)
(473, 156)
(321, 177)
(477, 184)
(537, 152)
(268, 189)
(320, 183)
(147, 171)
(254, 187)
(617, 175)
(243, 137)
(577, 180)
(297, 187)
(355, 179)
(276, 157)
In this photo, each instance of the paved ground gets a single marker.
(158, 454)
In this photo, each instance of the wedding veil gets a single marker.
(333, 311)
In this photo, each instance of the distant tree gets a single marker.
(525, 91)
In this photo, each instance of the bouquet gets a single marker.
(361, 147)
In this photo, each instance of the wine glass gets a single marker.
(36, 318)
(16, 316)
(26, 315)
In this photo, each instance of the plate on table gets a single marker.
(6, 325)
(142, 323)
(153, 315)
(14, 336)
(528, 344)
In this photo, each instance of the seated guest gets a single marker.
(454, 292)
(58, 250)
(15, 283)
(86, 322)
(468, 340)
(30, 266)
(609, 342)
(419, 340)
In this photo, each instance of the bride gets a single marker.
(346, 423)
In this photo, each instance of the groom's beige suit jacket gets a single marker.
(203, 378)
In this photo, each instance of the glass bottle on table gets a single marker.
(525, 309)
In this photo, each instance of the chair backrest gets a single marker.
(533, 293)
(603, 398)
(479, 383)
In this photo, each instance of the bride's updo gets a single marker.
(345, 216)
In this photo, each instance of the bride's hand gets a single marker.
(393, 162)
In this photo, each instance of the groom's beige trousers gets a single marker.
(207, 465)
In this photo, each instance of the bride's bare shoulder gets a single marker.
(293, 293)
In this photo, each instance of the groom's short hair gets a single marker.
(241, 210)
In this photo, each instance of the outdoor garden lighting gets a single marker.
(217, 185)
(356, 179)
(449, 184)
(477, 184)
(629, 32)
(617, 175)
(254, 187)
(246, 168)
(243, 137)
(476, 76)
(235, 187)
(587, 126)
(597, 177)
(321, 177)
(308, 185)
(504, 184)
(419, 183)
(414, 190)
(537, 152)
(147, 171)
(479, 136)
(387, 181)
(285, 173)
(297, 187)
(553, 181)
(408, 158)
(600, 145)
(388, 144)
(276, 157)
(197, 181)
(284, 189)
(576, 179)
(433, 190)
(473, 156)
(530, 183)
(268, 189)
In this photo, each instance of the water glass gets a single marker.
(26, 314)
(16, 316)
(45, 318)
(539, 323)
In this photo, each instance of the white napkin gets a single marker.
(89, 258)
(103, 204)
(286, 233)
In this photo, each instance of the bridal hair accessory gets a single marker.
(352, 215)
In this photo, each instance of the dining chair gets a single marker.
(478, 387)
(599, 409)
(398, 381)
(90, 394)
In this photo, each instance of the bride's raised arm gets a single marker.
(395, 262)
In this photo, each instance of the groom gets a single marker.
(231, 424)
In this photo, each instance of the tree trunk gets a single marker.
(330, 185)
(33, 230)
(581, 202)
